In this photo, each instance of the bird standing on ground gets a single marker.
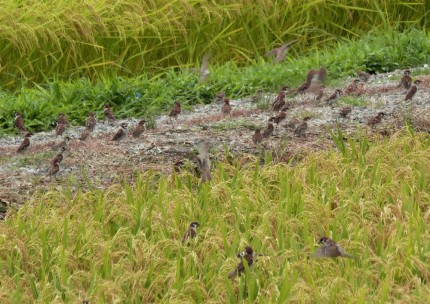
(139, 129)
(19, 123)
(64, 142)
(279, 102)
(226, 108)
(91, 122)
(345, 111)
(406, 80)
(121, 133)
(376, 119)
(219, 97)
(413, 90)
(176, 110)
(62, 119)
(301, 128)
(84, 134)
(54, 169)
(248, 256)
(330, 249)
(60, 128)
(280, 116)
(333, 97)
(59, 157)
(268, 131)
(353, 87)
(257, 137)
(191, 232)
(108, 113)
(280, 52)
(25, 142)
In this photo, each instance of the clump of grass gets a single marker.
(124, 244)
(353, 101)
(73, 39)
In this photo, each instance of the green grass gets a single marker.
(145, 96)
(71, 39)
(123, 244)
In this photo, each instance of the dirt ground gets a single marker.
(99, 161)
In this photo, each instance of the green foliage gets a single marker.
(71, 39)
(143, 96)
(124, 243)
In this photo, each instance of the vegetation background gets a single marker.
(123, 244)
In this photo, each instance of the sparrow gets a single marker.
(219, 97)
(268, 131)
(413, 90)
(91, 122)
(204, 161)
(281, 116)
(345, 111)
(248, 256)
(62, 119)
(204, 70)
(363, 76)
(376, 119)
(292, 123)
(139, 129)
(121, 133)
(64, 142)
(330, 249)
(257, 96)
(84, 134)
(301, 128)
(59, 157)
(60, 128)
(406, 80)
(352, 87)
(25, 143)
(302, 88)
(53, 169)
(176, 110)
(108, 113)
(19, 123)
(279, 102)
(333, 97)
(191, 232)
(257, 137)
(280, 52)
(226, 107)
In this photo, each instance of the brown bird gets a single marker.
(302, 88)
(139, 129)
(345, 111)
(406, 80)
(121, 133)
(19, 123)
(91, 122)
(54, 169)
(301, 128)
(353, 87)
(64, 142)
(363, 76)
(279, 102)
(226, 107)
(84, 134)
(25, 143)
(330, 249)
(204, 161)
(281, 116)
(62, 119)
(413, 90)
(176, 110)
(204, 69)
(268, 131)
(376, 119)
(248, 256)
(191, 232)
(333, 97)
(60, 128)
(292, 123)
(59, 157)
(280, 52)
(219, 97)
(257, 137)
(108, 113)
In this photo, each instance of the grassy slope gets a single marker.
(71, 39)
(124, 243)
(146, 96)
